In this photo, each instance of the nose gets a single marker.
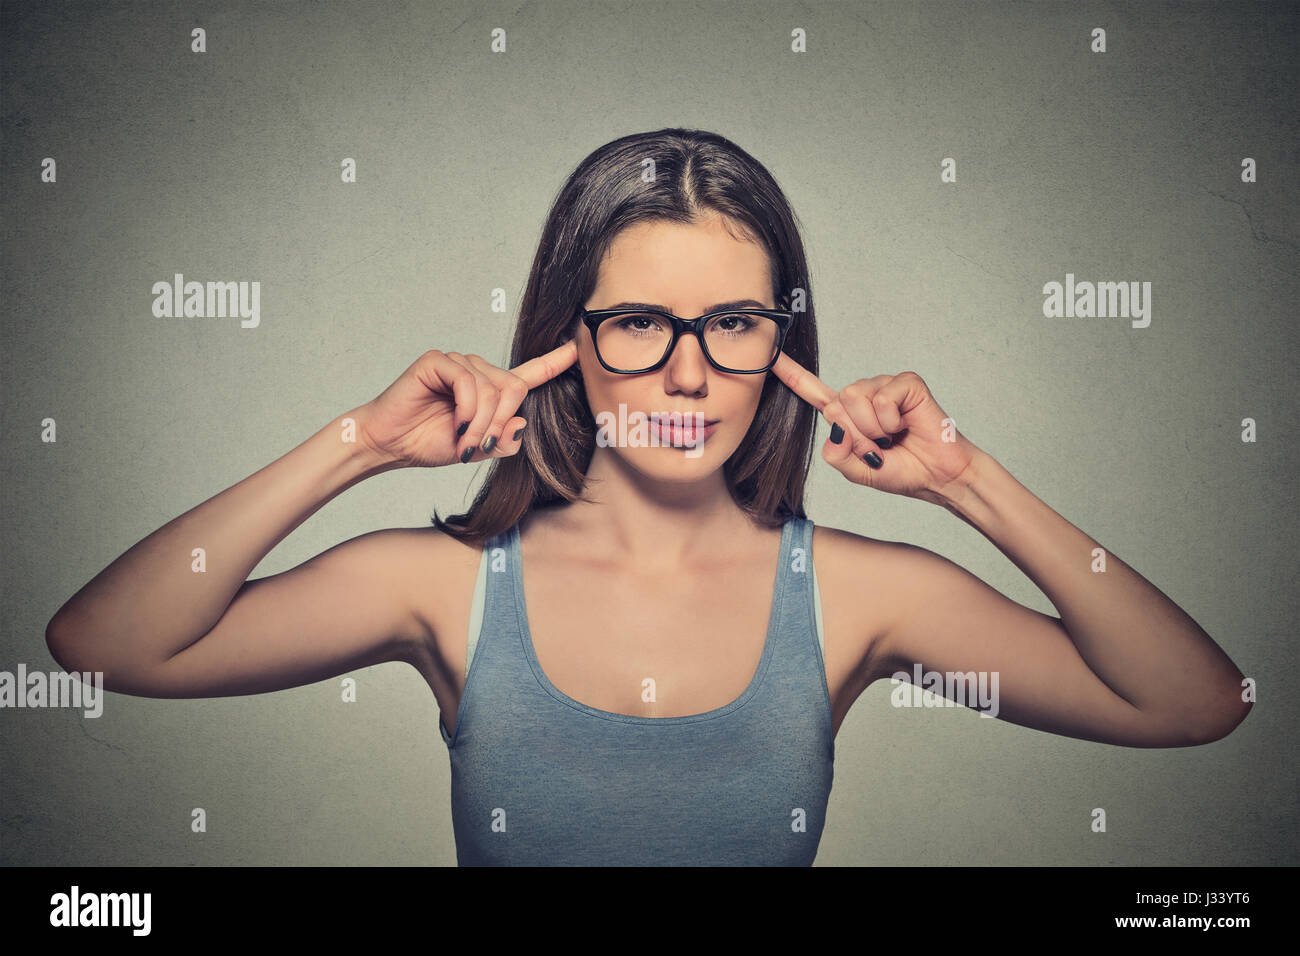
(687, 368)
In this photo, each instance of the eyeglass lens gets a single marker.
(737, 340)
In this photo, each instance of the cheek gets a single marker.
(748, 400)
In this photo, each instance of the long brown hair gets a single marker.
(695, 174)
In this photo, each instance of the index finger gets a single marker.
(543, 368)
(803, 382)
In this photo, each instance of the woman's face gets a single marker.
(687, 270)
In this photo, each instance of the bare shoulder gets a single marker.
(859, 578)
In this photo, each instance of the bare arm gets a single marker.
(156, 624)
(156, 627)
(1123, 664)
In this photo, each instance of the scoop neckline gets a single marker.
(530, 652)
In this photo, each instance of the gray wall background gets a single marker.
(225, 165)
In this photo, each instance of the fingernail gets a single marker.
(489, 444)
(837, 434)
(872, 459)
(885, 442)
(520, 432)
(466, 455)
(460, 431)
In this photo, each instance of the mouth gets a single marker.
(681, 429)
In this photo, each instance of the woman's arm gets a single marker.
(1122, 664)
(156, 626)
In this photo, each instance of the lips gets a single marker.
(686, 433)
(686, 418)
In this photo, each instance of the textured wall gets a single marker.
(225, 165)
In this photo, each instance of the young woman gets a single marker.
(635, 658)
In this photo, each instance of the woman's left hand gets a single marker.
(894, 417)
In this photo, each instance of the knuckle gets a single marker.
(854, 390)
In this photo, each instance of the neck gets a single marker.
(649, 523)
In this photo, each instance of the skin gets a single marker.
(654, 549)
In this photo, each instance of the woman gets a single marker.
(635, 658)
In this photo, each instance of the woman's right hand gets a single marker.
(448, 404)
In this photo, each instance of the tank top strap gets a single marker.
(492, 611)
(500, 554)
(798, 624)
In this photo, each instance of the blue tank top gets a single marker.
(538, 778)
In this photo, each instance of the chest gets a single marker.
(651, 645)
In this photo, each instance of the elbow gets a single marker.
(68, 646)
(1223, 722)
(59, 645)
(1199, 727)
(1226, 723)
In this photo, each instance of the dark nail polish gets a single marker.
(885, 442)
(518, 433)
(460, 431)
(489, 444)
(872, 459)
(466, 455)
(837, 434)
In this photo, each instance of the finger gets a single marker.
(852, 441)
(849, 438)
(858, 400)
(826, 400)
(844, 459)
(485, 407)
(509, 444)
(803, 382)
(511, 391)
(441, 372)
(898, 396)
(543, 368)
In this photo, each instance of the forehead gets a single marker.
(650, 260)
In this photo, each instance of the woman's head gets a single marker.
(685, 220)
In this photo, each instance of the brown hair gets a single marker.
(695, 174)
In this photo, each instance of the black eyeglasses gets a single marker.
(740, 341)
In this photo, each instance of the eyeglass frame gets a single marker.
(592, 318)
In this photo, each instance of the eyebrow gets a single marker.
(720, 307)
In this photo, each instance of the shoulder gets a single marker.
(840, 548)
(871, 560)
(431, 571)
(869, 584)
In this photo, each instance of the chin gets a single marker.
(675, 464)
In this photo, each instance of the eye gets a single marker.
(639, 324)
(735, 324)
